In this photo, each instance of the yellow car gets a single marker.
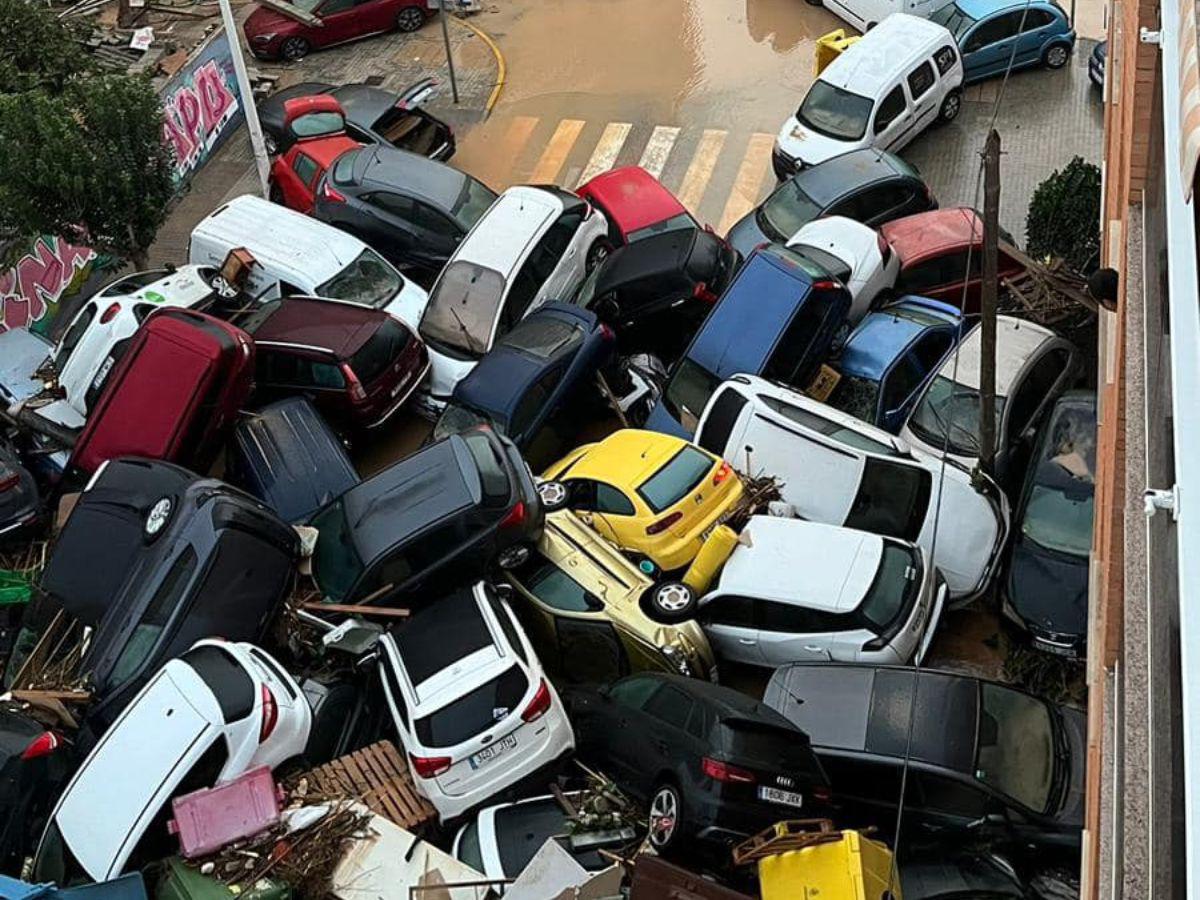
(649, 493)
(593, 616)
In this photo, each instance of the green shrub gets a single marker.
(1064, 217)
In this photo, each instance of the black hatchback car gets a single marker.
(412, 210)
(870, 186)
(713, 763)
(442, 515)
(982, 754)
(34, 765)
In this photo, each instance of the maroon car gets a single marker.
(357, 365)
(280, 29)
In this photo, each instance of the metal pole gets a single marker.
(987, 303)
(261, 161)
(449, 57)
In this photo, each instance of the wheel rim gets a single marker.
(410, 19)
(672, 597)
(513, 557)
(952, 106)
(664, 816)
(597, 255)
(552, 493)
(1057, 56)
(293, 48)
(269, 143)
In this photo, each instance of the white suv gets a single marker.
(475, 712)
(800, 591)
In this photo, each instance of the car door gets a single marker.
(600, 505)
(439, 235)
(904, 380)
(339, 22)
(296, 175)
(390, 225)
(667, 741)
(789, 633)
(892, 118)
(988, 46)
(921, 83)
(731, 624)
(559, 248)
(1037, 26)
(626, 728)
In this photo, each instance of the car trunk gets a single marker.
(780, 759)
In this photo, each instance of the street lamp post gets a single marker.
(446, 41)
(261, 161)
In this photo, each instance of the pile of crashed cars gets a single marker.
(719, 605)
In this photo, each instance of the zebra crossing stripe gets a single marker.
(516, 136)
(658, 148)
(748, 182)
(607, 150)
(556, 152)
(700, 169)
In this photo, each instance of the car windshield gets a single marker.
(676, 479)
(307, 6)
(473, 201)
(456, 419)
(381, 350)
(493, 473)
(688, 392)
(892, 499)
(167, 600)
(954, 20)
(462, 311)
(835, 112)
(473, 712)
(894, 585)
(316, 124)
(678, 222)
(1016, 747)
(368, 281)
(786, 211)
(949, 414)
(131, 284)
(56, 863)
(856, 396)
(335, 562)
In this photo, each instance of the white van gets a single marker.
(904, 75)
(866, 14)
(296, 254)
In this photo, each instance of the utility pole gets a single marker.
(987, 303)
(261, 162)
(449, 56)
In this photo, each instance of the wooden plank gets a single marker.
(354, 609)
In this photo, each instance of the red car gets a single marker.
(932, 248)
(357, 365)
(635, 204)
(174, 394)
(286, 30)
(315, 128)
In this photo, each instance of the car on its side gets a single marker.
(594, 616)
(1046, 591)
(20, 500)
(288, 30)
(535, 377)
(1033, 367)
(219, 710)
(651, 494)
(35, 763)
(373, 115)
(868, 186)
(778, 319)
(636, 205)
(982, 755)
(357, 365)
(473, 708)
(838, 470)
(992, 34)
(413, 210)
(941, 255)
(853, 253)
(712, 763)
(316, 137)
(533, 245)
(890, 357)
(794, 590)
(444, 513)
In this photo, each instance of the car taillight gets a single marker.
(823, 794)
(701, 292)
(43, 745)
(663, 524)
(515, 517)
(825, 284)
(8, 481)
(723, 771)
(538, 705)
(357, 392)
(331, 195)
(270, 714)
(723, 472)
(606, 333)
(109, 314)
(430, 766)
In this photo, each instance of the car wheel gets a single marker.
(1056, 57)
(294, 48)
(553, 495)
(951, 107)
(513, 557)
(870, 25)
(270, 144)
(410, 18)
(666, 809)
(670, 601)
(276, 195)
(597, 253)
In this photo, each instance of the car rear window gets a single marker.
(463, 308)
(722, 415)
(343, 169)
(895, 586)
(367, 281)
(688, 392)
(225, 677)
(677, 222)
(474, 712)
(544, 337)
(493, 474)
(751, 741)
(432, 641)
(474, 200)
(892, 499)
(678, 478)
(336, 563)
(381, 350)
(827, 261)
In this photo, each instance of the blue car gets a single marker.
(528, 375)
(890, 356)
(986, 31)
(777, 319)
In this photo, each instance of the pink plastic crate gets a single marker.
(208, 819)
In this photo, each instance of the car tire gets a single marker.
(410, 19)
(553, 495)
(276, 194)
(669, 602)
(512, 557)
(597, 253)
(1056, 56)
(293, 49)
(663, 817)
(951, 106)
(870, 25)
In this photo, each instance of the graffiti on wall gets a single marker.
(33, 290)
(200, 106)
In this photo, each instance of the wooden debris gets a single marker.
(378, 777)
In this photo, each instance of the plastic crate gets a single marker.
(209, 819)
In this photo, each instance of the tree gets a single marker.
(88, 164)
(37, 49)
(1064, 217)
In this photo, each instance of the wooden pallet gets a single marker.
(378, 776)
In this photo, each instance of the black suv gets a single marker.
(443, 514)
(713, 763)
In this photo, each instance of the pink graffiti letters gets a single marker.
(195, 113)
(39, 280)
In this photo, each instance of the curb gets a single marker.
(500, 64)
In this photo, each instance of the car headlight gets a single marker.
(678, 659)
(265, 38)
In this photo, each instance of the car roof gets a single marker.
(632, 198)
(933, 233)
(1016, 341)
(845, 173)
(750, 316)
(441, 635)
(882, 55)
(1070, 431)
(725, 701)
(657, 254)
(803, 563)
(848, 240)
(633, 453)
(339, 327)
(503, 235)
(879, 339)
(978, 9)
(380, 166)
(863, 708)
(325, 150)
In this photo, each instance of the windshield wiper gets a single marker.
(471, 345)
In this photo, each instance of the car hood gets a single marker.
(970, 535)
(1070, 810)
(745, 235)
(264, 20)
(808, 147)
(1048, 590)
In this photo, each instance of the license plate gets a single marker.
(789, 798)
(1056, 649)
(487, 754)
(105, 368)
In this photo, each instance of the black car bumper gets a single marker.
(785, 166)
(726, 820)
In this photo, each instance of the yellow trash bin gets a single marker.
(808, 859)
(830, 46)
(713, 553)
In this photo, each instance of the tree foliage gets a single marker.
(1064, 216)
(37, 50)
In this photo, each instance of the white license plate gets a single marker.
(1056, 649)
(105, 368)
(790, 798)
(487, 754)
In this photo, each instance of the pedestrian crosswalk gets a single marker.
(718, 174)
